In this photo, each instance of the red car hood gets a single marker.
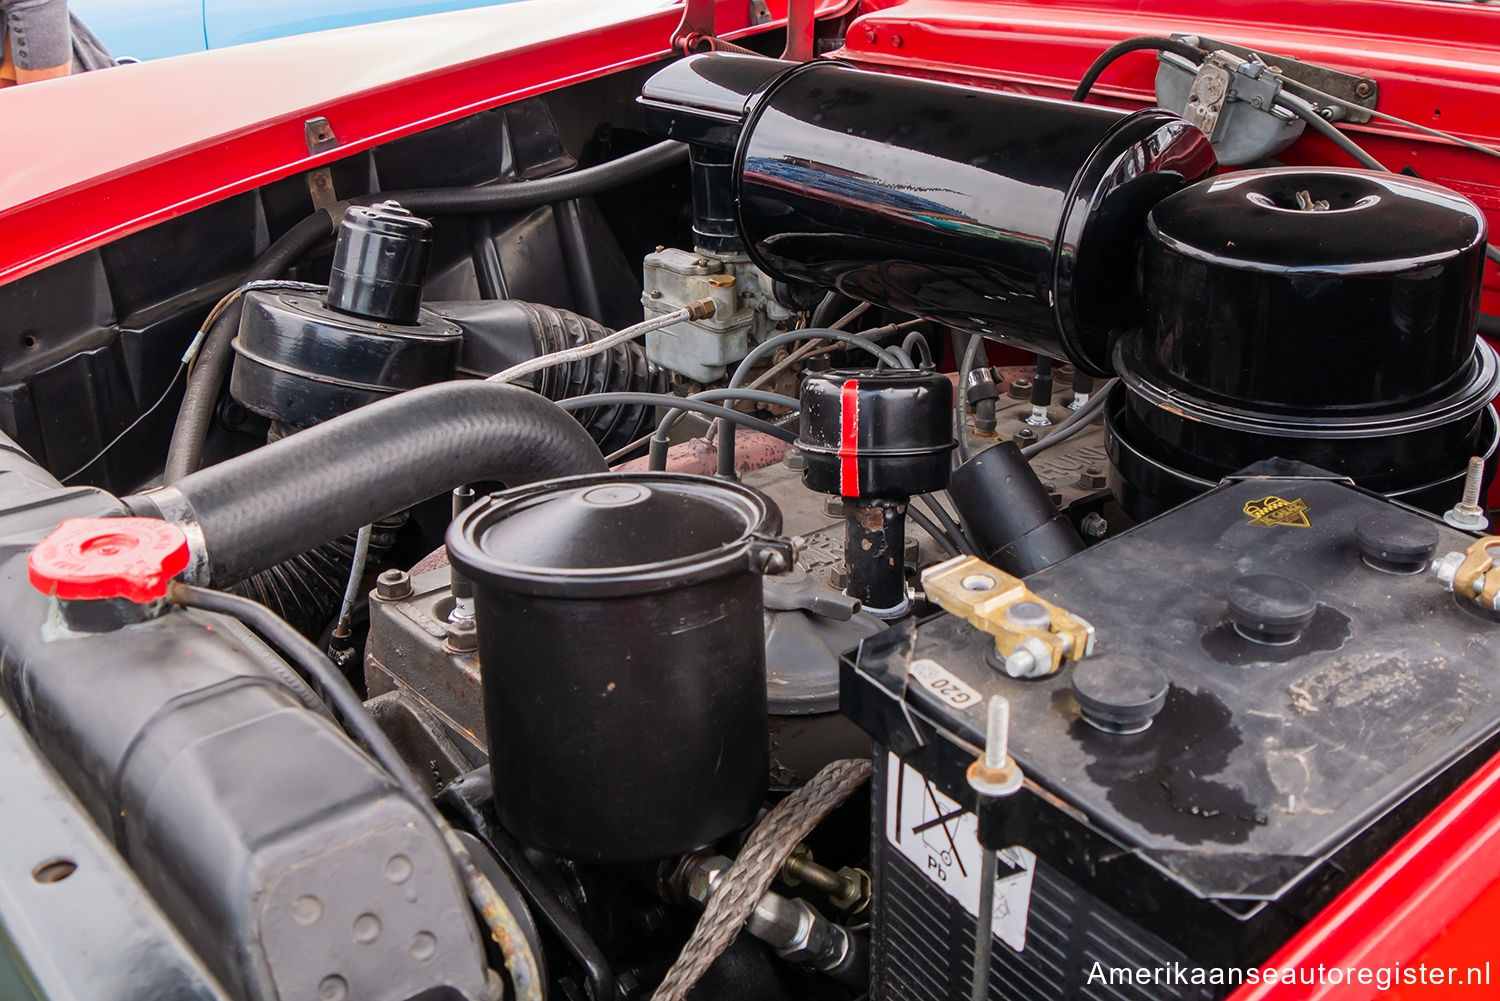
(105, 154)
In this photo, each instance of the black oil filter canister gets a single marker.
(622, 650)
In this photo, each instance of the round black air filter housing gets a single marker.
(302, 358)
(876, 434)
(301, 362)
(621, 644)
(1322, 315)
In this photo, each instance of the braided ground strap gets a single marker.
(772, 840)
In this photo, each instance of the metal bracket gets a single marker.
(1357, 95)
(1207, 96)
(320, 139)
(801, 30)
(696, 31)
(1032, 636)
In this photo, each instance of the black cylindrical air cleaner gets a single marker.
(622, 654)
(1315, 314)
(302, 358)
(379, 263)
(875, 437)
(1008, 215)
(1009, 513)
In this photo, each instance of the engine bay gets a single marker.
(754, 528)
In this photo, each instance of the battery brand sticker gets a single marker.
(933, 677)
(1273, 512)
(941, 839)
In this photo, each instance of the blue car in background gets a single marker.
(151, 29)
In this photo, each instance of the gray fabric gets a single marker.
(42, 33)
(88, 52)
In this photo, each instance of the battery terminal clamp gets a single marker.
(1472, 574)
(1033, 637)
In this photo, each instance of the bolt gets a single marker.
(1094, 526)
(1468, 514)
(655, 293)
(910, 551)
(393, 585)
(1024, 436)
(1020, 664)
(833, 507)
(1053, 492)
(997, 733)
(896, 41)
(1363, 89)
(870, 35)
(1446, 568)
(994, 773)
(462, 636)
(1092, 478)
(1020, 389)
(840, 576)
(794, 459)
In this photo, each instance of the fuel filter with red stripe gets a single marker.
(876, 437)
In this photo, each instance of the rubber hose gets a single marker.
(266, 506)
(185, 453)
(623, 368)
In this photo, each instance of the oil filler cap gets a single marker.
(89, 559)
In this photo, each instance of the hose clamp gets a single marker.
(172, 505)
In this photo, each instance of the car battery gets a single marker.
(1276, 690)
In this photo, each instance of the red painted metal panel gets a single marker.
(1434, 898)
(111, 153)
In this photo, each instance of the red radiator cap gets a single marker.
(93, 558)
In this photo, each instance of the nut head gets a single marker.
(857, 889)
(994, 781)
(1446, 568)
(393, 585)
(1030, 659)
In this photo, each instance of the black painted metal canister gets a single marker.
(876, 437)
(1322, 315)
(1013, 216)
(621, 644)
(379, 263)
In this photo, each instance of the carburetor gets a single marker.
(746, 312)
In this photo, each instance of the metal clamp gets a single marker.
(1468, 573)
(1032, 636)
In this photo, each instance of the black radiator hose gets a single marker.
(251, 512)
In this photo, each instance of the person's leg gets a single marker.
(8, 66)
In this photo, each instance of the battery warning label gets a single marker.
(941, 839)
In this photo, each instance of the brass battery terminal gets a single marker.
(1032, 636)
(1472, 574)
